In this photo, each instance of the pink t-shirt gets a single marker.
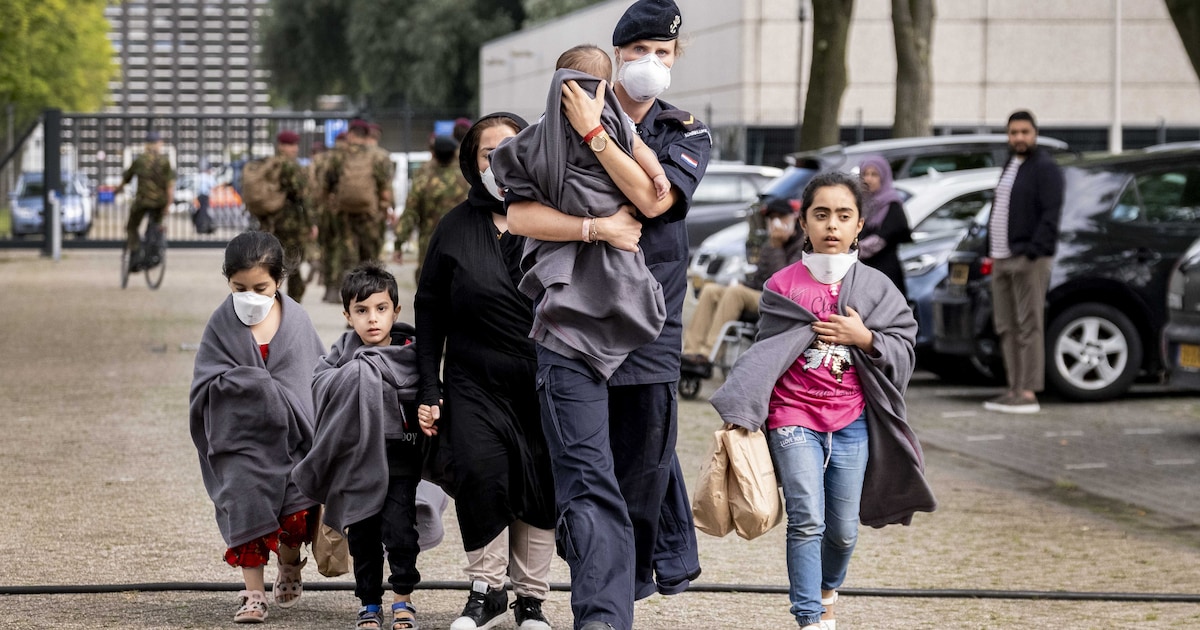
(821, 390)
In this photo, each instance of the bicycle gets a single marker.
(152, 257)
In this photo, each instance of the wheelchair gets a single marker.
(735, 338)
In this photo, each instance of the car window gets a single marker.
(790, 184)
(722, 188)
(956, 214)
(1166, 197)
(32, 188)
(922, 165)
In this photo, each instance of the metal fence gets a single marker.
(95, 150)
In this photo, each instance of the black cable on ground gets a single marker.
(151, 587)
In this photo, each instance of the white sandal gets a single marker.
(254, 607)
(288, 586)
(829, 624)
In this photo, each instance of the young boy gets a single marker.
(365, 392)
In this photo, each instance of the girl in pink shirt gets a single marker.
(817, 427)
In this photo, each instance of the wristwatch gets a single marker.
(599, 142)
(597, 139)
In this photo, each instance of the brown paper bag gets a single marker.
(330, 549)
(710, 501)
(754, 501)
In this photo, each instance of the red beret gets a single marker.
(359, 124)
(287, 136)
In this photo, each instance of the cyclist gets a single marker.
(155, 193)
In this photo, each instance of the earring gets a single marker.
(854, 245)
(806, 246)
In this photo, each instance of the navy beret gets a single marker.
(648, 19)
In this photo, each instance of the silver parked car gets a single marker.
(76, 205)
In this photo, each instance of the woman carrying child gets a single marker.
(365, 392)
(827, 377)
(251, 418)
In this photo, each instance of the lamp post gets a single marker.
(803, 17)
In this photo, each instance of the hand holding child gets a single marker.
(427, 417)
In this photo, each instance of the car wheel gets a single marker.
(1093, 352)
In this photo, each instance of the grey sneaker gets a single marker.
(1013, 403)
(485, 608)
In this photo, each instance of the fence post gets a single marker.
(51, 181)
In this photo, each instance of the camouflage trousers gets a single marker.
(295, 253)
(133, 236)
(355, 239)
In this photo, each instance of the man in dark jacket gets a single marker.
(1022, 236)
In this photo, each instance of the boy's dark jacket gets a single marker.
(357, 393)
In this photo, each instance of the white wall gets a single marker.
(990, 57)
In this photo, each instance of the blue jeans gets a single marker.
(822, 502)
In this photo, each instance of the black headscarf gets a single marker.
(479, 197)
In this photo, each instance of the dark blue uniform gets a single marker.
(616, 475)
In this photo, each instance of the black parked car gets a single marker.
(1126, 220)
(1181, 337)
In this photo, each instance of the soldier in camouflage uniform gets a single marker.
(293, 225)
(155, 192)
(329, 226)
(383, 159)
(436, 189)
(361, 235)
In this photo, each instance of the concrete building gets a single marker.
(746, 62)
(187, 57)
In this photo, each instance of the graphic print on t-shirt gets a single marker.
(820, 390)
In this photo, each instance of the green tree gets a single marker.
(55, 53)
(304, 46)
(386, 53)
(424, 52)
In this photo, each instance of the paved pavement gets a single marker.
(1143, 449)
(100, 485)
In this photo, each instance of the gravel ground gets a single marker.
(102, 487)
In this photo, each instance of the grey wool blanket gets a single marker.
(357, 391)
(252, 420)
(597, 303)
(895, 486)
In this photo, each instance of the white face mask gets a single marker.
(252, 307)
(489, 182)
(644, 78)
(829, 268)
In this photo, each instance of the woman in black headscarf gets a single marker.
(487, 411)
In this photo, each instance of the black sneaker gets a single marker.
(485, 608)
(528, 611)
